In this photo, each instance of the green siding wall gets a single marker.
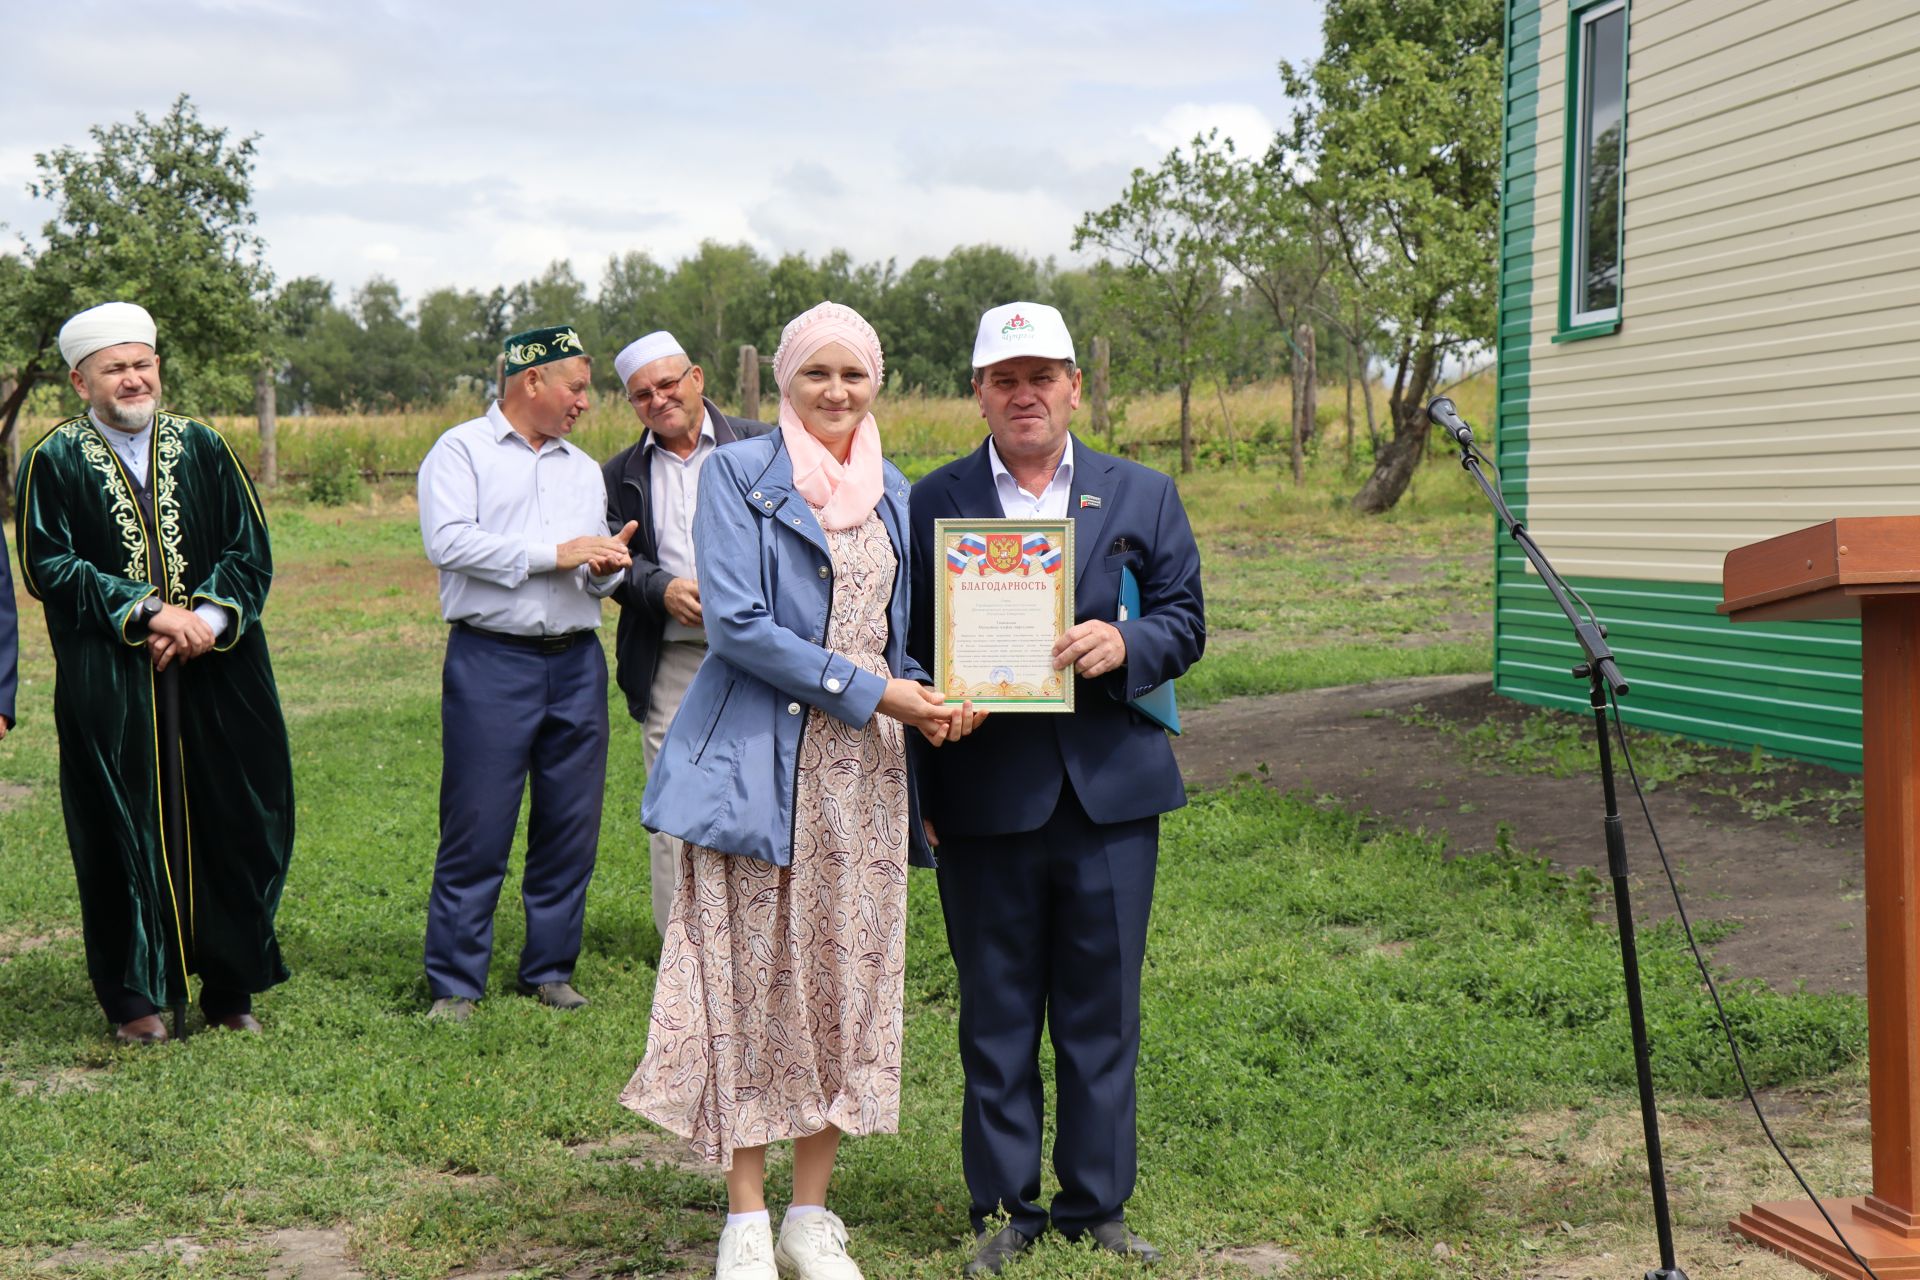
(1793, 688)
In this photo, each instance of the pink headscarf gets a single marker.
(843, 495)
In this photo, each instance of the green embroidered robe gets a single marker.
(83, 554)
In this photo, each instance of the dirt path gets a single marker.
(1794, 888)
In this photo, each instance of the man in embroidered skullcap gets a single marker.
(141, 534)
(514, 517)
(661, 639)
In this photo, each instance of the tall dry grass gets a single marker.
(1244, 425)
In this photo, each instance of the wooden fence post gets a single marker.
(749, 382)
(265, 408)
(1102, 416)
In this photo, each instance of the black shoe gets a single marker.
(1115, 1238)
(992, 1252)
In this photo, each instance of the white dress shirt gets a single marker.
(674, 488)
(493, 513)
(1017, 504)
(133, 449)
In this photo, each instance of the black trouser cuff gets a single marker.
(217, 1003)
(121, 1005)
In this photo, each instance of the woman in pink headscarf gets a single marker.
(778, 1010)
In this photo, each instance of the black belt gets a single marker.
(540, 644)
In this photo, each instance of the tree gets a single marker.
(931, 315)
(1281, 248)
(630, 303)
(1397, 141)
(455, 350)
(714, 300)
(1165, 235)
(158, 212)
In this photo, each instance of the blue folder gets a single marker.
(1157, 703)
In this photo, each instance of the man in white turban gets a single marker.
(141, 534)
(656, 483)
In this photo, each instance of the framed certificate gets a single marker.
(1002, 596)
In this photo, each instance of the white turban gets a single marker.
(107, 325)
(638, 355)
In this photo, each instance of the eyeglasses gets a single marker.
(645, 396)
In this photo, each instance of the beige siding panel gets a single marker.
(1767, 372)
(1727, 74)
(1706, 24)
(1772, 291)
(1840, 110)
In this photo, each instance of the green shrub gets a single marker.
(333, 474)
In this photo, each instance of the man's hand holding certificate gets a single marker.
(1003, 614)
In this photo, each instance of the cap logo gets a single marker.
(525, 352)
(1016, 327)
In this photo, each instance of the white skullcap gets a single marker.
(1021, 329)
(107, 325)
(638, 355)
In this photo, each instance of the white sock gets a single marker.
(802, 1211)
(758, 1215)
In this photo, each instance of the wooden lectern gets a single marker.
(1866, 568)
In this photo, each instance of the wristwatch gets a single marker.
(147, 610)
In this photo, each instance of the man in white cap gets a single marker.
(1046, 888)
(142, 535)
(656, 483)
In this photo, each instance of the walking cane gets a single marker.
(173, 823)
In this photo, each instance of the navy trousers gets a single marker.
(507, 712)
(1050, 926)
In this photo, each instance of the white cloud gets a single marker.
(459, 153)
(1245, 123)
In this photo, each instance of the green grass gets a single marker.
(1763, 787)
(1335, 1017)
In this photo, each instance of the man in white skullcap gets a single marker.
(660, 642)
(142, 535)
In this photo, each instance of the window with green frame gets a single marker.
(1593, 196)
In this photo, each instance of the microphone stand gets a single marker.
(1601, 674)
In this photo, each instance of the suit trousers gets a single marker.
(1050, 926)
(509, 713)
(679, 659)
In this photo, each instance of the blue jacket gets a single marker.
(1007, 775)
(9, 637)
(726, 774)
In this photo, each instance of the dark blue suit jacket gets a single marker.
(9, 636)
(1006, 776)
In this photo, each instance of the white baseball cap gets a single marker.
(1021, 329)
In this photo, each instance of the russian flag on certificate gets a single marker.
(1050, 560)
(957, 560)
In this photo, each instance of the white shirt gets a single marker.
(674, 488)
(493, 513)
(1017, 504)
(133, 449)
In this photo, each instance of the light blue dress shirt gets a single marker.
(132, 448)
(493, 513)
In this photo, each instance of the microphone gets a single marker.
(1440, 412)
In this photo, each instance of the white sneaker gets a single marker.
(814, 1248)
(746, 1253)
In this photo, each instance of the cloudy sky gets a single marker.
(472, 144)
